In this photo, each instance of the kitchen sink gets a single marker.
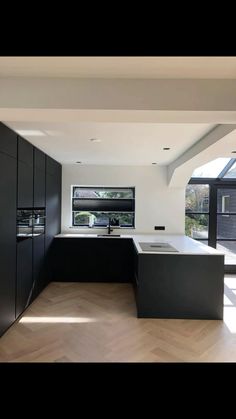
(157, 247)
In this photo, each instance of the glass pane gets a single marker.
(226, 200)
(226, 226)
(197, 198)
(120, 194)
(100, 205)
(196, 226)
(231, 173)
(105, 193)
(211, 169)
(101, 219)
(229, 249)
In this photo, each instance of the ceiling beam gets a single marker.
(107, 115)
(118, 94)
(180, 170)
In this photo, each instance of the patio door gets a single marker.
(226, 225)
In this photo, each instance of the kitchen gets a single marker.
(135, 240)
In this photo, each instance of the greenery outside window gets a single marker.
(197, 211)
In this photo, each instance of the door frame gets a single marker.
(214, 185)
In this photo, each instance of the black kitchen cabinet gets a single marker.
(38, 265)
(25, 151)
(23, 184)
(8, 141)
(92, 259)
(8, 176)
(25, 174)
(53, 209)
(24, 281)
(39, 179)
(179, 286)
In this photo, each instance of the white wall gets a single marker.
(155, 203)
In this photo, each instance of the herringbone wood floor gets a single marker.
(83, 322)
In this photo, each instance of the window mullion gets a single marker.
(213, 216)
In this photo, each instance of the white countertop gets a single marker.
(185, 245)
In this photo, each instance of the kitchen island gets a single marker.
(174, 276)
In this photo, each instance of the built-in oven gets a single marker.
(30, 223)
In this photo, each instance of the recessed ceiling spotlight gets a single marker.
(79, 162)
(154, 163)
(166, 148)
(94, 140)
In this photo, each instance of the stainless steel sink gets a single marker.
(157, 247)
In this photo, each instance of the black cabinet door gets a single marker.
(8, 176)
(8, 141)
(25, 151)
(38, 265)
(25, 185)
(25, 174)
(24, 275)
(53, 208)
(39, 178)
(92, 260)
(53, 199)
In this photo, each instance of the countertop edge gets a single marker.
(148, 237)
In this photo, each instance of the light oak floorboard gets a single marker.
(91, 322)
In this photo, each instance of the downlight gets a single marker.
(94, 140)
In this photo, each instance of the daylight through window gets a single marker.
(94, 206)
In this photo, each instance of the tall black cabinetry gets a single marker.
(24, 281)
(8, 191)
(39, 197)
(39, 201)
(53, 209)
(25, 174)
(24, 278)
(30, 181)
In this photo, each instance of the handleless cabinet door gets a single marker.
(24, 275)
(38, 265)
(8, 141)
(25, 185)
(53, 208)
(25, 174)
(8, 176)
(39, 178)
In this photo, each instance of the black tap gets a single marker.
(109, 226)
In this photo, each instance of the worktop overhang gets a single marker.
(183, 244)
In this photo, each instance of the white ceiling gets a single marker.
(120, 67)
(121, 143)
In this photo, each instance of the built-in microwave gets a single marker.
(30, 223)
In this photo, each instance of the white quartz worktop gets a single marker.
(183, 244)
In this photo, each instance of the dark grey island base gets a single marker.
(179, 286)
(187, 283)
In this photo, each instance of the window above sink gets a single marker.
(92, 206)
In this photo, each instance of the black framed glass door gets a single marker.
(226, 225)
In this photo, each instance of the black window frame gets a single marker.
(207, 213)
(105, 202)
(214, 185)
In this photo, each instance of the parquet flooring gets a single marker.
(91, 322)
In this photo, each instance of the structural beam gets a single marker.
(204, 150)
